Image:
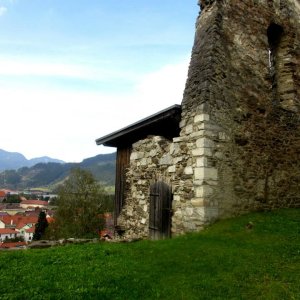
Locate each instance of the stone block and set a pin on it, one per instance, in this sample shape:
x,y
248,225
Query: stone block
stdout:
x,y
197,202
178,214
201,118
153,152
189,211
136,155
188,171
201,161
174,148
204,142
208,126
176,198
202,151
177,159
203,191
204,173
182,123
172,169
219,155
157,138
144,162
166,160
197,134
189,129
179,139
200,212
199,182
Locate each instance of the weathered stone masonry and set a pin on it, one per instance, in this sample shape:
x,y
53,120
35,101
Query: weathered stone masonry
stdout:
x,y
239,143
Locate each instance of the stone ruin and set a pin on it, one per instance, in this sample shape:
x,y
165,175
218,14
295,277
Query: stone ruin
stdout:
x,y
238,146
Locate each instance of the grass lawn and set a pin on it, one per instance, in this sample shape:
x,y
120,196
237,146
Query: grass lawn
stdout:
x,y
225,261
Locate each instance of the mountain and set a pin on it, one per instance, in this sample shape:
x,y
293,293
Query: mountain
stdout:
x,y
44,159
15,160
50,174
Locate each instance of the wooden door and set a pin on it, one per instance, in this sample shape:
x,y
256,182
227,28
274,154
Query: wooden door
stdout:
x,y
160,210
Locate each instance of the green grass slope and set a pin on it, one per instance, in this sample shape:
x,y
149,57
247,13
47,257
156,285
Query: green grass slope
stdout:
x,y
226,261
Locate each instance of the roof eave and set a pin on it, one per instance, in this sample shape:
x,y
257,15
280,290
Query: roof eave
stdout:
x,y
111,139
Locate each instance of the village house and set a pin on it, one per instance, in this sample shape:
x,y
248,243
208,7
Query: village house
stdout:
x,y
7,233
26,204
28,234
13,209
232,146
22,226
19,222
2,224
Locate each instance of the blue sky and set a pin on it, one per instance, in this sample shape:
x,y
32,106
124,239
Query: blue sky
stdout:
x,y
73,71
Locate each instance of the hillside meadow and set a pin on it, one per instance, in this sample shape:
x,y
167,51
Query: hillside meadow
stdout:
x,y
228,260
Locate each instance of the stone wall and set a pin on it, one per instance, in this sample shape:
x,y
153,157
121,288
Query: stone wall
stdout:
x,y
186,166
238,148
149,161
254,147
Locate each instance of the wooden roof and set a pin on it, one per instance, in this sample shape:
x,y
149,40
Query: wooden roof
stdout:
x,y
164,123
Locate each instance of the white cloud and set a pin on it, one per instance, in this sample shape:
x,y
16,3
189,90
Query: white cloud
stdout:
x,y
164,86
46,67
64,124
3,10
15,67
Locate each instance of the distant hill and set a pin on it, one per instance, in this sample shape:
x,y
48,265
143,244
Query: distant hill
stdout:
x,y
15,160
50,174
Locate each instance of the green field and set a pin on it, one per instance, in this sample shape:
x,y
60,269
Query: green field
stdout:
x,y
226,261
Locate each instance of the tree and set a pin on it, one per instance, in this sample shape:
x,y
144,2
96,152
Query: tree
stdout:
x,y
40,226
81,201
12,199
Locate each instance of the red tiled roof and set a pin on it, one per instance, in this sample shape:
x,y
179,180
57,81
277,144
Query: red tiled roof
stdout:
x,y
2,194
7,231
12,245
6,219
34,202
30,230
18,220
20,225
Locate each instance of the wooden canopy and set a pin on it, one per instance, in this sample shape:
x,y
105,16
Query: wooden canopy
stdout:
x,y
164,123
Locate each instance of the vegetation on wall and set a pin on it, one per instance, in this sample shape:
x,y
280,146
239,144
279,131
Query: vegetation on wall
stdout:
x,y
272,153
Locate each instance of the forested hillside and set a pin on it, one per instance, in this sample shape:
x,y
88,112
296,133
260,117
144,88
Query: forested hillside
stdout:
x,y
51,174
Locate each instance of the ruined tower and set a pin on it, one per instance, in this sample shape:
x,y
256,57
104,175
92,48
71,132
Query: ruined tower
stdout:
x,y
238,147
